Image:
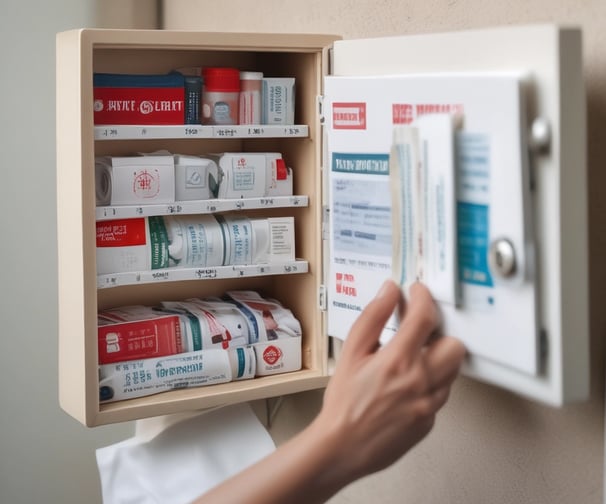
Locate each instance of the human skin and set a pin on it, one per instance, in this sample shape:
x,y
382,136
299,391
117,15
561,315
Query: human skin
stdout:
x,y
380,402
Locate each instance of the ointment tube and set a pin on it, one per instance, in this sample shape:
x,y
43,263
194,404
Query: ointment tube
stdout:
x,y
138,378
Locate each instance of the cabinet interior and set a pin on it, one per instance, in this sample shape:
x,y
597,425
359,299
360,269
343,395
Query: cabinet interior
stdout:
x,y
157,53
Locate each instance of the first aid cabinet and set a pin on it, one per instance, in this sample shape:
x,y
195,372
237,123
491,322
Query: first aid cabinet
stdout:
x,y
551,132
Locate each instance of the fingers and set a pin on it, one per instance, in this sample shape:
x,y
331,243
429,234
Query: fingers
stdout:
x,y
443,359
420,323
364,335
431,403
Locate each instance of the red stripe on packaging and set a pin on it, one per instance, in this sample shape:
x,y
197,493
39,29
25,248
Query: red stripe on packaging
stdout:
x,y
121,233
140,339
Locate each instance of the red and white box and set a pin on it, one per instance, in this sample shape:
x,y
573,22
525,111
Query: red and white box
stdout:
x,y
143,106
282,355
138,333
134,180
138,99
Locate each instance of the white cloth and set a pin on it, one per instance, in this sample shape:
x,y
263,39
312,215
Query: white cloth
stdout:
x,y
173,463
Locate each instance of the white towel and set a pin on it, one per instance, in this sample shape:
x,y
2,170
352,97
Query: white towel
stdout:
x,y
172,460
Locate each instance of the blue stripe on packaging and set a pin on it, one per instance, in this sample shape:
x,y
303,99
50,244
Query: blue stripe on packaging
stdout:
x,y
173,79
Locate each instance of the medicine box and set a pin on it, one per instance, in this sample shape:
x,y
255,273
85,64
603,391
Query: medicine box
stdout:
x,y
134,180
139,336
138,99
278,100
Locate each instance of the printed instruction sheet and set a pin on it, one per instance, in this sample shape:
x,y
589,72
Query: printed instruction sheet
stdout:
x,y
490,200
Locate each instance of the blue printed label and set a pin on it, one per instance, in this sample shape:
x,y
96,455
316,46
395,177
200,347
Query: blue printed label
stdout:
x,y
473,244
241,362
361,213
473,209
366,164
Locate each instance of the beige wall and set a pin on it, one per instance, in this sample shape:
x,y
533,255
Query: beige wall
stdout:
x,y
140,14
488,445
45,456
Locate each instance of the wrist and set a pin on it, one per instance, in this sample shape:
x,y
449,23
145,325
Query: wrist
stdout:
x,y
327,448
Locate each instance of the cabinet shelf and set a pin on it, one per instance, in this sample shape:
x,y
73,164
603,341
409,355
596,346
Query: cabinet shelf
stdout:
x,y
202,273
143,132
199,207
194,398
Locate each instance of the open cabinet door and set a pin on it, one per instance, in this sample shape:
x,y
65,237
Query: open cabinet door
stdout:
x,y
505,217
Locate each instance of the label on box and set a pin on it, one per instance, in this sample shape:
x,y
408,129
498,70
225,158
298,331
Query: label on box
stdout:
x,y
121,233
244,174
278,101
282,355
150,105
134,180
282,239
132,245
140,339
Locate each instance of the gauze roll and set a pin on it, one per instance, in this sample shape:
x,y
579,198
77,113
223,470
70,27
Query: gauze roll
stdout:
x,y
134,180
103,183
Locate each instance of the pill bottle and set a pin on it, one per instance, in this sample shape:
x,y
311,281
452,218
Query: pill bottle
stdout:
x,y
220,94
250,97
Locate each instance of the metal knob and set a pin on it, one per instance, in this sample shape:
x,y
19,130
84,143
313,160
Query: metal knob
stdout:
x,y
540,135
502,258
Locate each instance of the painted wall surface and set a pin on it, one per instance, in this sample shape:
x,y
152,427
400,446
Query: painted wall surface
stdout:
x,y
488,445
45,456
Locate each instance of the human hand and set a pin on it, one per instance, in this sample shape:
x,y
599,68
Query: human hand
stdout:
x,y
382,401
379,403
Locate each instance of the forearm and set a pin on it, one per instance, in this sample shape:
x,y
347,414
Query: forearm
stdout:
x,y
302,470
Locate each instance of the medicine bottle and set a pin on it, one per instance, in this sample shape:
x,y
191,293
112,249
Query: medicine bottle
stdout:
x,y
250,97
220,94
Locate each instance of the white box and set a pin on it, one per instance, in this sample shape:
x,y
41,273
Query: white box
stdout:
x,y
278,100
134,180
195,178
280,356
242,174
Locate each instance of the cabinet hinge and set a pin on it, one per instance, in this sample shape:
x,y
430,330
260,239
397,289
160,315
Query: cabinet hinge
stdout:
x,y
325,222
322,301
320,102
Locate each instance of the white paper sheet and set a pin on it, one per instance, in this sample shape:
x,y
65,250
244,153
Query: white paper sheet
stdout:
x,y
173,463
496,318
422,172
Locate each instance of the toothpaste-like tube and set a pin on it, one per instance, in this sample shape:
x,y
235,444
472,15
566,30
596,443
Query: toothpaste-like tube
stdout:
x,y
258,241
139,378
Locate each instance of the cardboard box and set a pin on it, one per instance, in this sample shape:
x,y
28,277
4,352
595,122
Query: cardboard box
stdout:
x,y
138,99
278,99
134,180
138,336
